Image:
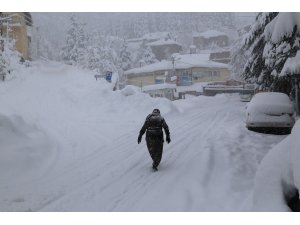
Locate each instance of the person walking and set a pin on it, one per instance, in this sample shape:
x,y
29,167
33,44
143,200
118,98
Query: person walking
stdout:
x,y
154,136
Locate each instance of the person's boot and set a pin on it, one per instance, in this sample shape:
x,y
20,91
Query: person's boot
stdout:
x,y
154,167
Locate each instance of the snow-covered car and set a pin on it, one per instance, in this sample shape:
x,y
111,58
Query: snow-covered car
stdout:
x,y
269,110
245,97
247,93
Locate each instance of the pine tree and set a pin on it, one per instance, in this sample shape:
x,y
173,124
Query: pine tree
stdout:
x,y
255,70
74,50
239,56
41,46
274,38
148,56
280,46
93,54
125,57
9,56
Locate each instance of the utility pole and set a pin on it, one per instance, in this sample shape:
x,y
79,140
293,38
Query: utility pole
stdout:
x,y
173,69
2,72
297,98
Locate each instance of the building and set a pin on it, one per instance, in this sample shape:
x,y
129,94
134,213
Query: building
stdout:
x,y
161,90
163,49
210,39
185,70
221,56
15,25
156,36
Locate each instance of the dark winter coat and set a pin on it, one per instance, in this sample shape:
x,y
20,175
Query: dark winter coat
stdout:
x,y
153,127
154,136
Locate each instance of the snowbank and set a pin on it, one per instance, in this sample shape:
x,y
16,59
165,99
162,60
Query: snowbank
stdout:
x,y
278,177
159,87
25,150
130,90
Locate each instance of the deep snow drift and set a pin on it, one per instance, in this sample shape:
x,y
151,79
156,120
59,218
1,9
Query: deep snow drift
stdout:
x,y
69,143
278,177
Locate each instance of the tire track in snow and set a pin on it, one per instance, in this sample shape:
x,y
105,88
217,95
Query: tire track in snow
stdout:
x,y
119,147
188,128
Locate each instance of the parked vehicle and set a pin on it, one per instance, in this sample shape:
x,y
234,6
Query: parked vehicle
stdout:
x,y
270,112
245,97
247,93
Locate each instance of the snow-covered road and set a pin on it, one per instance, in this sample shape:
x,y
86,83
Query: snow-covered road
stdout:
x,y
89,159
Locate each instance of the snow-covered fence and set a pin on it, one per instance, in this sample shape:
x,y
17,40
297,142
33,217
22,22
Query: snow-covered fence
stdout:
x,y
218,89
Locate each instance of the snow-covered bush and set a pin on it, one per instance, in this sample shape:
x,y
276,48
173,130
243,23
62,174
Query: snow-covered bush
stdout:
x,y
130,90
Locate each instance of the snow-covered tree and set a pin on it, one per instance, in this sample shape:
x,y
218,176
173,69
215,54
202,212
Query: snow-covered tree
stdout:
x,y
106,60
93,55
274,38
102,53
282,37
41,46
141,25
125,59
239,56
255,70
73,52
9,56
148,56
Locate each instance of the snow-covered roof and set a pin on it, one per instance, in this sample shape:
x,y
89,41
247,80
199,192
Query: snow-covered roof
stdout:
x,y
156,35
292,66
134,40
198,87
209,34
193,58
183,62
163,42
158,87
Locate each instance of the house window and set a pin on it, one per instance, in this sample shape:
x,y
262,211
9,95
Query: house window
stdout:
x,y
159,79
201,74
185,79
216,73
